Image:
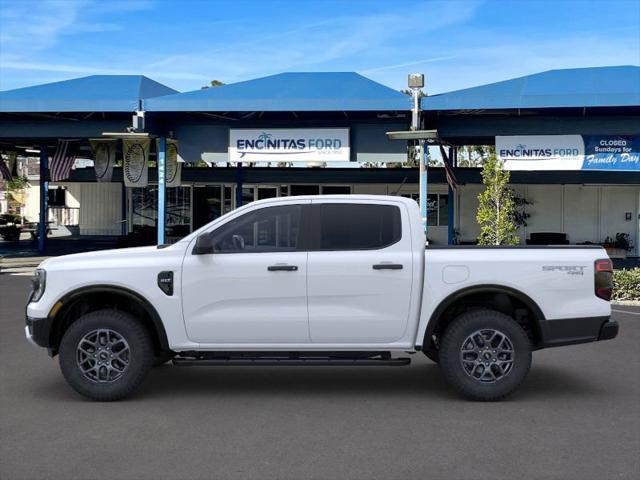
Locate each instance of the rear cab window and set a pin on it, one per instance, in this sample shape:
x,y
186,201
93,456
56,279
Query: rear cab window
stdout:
x,y
356,226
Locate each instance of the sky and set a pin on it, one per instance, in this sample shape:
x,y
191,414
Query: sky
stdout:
x,y
185,44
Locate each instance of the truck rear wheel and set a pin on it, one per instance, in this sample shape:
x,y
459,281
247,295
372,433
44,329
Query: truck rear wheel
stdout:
x,y
105,355
485,355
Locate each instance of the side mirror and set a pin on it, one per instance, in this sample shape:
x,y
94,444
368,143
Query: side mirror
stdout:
x,y
204,245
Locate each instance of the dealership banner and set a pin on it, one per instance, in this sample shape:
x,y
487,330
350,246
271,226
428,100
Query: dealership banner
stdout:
x,y
136,162
569,152
541,152
289,145
610,152
173,166
104,157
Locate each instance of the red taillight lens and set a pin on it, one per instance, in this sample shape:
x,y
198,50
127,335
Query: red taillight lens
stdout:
x,y
603,277
604,265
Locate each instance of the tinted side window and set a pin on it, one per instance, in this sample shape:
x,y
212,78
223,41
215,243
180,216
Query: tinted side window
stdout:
x,y
271,229
350,226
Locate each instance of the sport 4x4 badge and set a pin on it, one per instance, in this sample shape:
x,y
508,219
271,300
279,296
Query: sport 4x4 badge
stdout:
x,y
569,269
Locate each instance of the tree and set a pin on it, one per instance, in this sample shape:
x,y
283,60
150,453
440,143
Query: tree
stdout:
x,y
15,194
474,155
213,83
496,209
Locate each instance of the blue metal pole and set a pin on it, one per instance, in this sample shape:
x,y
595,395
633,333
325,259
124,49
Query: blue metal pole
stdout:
x,y
44,199
450,200
162,190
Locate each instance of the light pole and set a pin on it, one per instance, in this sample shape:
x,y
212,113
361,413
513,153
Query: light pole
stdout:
x,y
416,83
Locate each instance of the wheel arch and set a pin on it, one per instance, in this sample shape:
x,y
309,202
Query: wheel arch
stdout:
x,y
94,297
500,297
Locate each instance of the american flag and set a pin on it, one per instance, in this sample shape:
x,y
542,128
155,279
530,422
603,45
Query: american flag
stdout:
x,y
4,170
62,161
451,176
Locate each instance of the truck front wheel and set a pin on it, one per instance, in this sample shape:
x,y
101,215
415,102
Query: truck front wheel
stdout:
x,y
105,355
485,355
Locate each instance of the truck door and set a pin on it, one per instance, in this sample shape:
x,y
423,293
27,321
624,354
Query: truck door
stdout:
x,y
252,289
359,272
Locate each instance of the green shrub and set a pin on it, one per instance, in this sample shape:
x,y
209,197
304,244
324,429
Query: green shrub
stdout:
x,y
626,284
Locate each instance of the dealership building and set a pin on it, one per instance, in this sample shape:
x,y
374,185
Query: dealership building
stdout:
x,y
570,137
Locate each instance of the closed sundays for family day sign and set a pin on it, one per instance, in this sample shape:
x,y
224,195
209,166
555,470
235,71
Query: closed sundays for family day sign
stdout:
x,y
289,145
569,152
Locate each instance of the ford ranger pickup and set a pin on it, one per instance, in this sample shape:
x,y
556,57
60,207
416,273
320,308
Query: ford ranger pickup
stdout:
x,y
317,280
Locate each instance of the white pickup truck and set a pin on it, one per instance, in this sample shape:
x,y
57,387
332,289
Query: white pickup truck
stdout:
x,y
324,280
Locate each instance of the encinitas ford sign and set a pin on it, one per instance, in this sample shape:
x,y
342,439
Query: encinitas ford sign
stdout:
x,y
541,152
289,145
569,152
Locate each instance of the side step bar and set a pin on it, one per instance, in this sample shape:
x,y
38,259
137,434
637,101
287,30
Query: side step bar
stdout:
x,y
289,359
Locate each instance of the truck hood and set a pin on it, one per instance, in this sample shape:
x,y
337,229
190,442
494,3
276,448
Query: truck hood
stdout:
x,y
92,258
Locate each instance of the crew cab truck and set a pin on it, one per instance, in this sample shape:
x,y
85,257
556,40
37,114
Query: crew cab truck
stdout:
x,y
317,280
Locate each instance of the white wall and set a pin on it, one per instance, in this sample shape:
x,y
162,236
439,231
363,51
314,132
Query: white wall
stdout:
x,y
614,203
581,216
584,212
100,208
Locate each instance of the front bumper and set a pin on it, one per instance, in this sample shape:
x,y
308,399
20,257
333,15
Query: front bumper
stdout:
x,y
571,331
38,331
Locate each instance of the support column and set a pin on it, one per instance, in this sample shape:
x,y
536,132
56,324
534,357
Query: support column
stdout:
x,y
239,180
162,190
450,200
44,199
124,210
423,183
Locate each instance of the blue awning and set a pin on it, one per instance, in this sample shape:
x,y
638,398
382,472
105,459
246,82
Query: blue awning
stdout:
x,y
96,93
288,92
577,87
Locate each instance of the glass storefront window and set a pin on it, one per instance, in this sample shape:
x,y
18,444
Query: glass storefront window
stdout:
x,y
305,189
144,212
432,209
437,211
443,210
336,190
144,207
207,205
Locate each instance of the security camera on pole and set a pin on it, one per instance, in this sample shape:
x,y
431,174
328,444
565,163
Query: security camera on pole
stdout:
x,y
416,83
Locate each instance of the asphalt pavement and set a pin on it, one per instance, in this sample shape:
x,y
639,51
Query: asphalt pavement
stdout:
x,y
577,416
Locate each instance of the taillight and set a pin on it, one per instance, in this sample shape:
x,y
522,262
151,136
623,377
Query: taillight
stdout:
x,y
603,277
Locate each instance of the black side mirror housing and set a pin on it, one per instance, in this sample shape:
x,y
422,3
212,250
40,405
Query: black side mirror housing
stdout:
x,y
204,245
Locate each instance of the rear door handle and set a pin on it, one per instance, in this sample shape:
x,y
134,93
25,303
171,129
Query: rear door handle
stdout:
x,y
282,268
387,266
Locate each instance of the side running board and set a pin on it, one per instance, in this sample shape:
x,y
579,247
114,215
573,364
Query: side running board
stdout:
x,y
288,359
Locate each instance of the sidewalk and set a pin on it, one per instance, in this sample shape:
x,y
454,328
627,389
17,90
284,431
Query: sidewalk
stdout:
x,y
24,265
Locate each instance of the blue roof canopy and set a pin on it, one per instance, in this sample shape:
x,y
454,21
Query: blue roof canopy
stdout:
x,y
577,87
96,93
297,92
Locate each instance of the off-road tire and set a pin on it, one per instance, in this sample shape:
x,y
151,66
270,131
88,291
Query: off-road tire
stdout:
x,y
453,340
140,357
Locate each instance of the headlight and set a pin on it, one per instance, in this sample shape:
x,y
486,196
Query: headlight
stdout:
x,y
39,283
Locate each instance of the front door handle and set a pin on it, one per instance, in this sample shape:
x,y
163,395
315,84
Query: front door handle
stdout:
x,y
282,268
387,266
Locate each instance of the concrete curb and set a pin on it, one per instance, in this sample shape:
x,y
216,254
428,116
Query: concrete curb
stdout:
x,y
634,303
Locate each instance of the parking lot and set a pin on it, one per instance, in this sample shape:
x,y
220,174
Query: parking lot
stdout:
x,y
577,416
